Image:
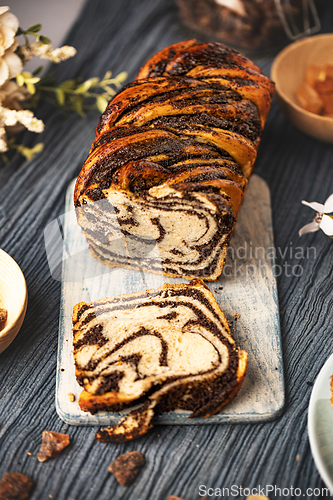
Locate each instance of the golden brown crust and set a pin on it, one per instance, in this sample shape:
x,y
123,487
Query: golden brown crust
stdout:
x,y
178,54
191,121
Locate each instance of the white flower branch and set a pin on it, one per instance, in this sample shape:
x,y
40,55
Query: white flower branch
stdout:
x,y
21,91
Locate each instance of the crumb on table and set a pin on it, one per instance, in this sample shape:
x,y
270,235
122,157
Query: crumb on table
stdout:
x,y
52,444
126,467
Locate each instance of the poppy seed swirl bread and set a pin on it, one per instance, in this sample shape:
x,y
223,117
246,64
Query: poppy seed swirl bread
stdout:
x,y
168,348
166,174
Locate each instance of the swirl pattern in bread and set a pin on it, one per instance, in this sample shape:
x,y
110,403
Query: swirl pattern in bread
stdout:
x,y
166,348
165,177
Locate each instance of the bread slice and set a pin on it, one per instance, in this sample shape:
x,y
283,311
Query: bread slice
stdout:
x,y
168,348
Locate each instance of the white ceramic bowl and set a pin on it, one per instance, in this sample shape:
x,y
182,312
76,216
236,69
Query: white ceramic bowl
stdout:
x,y
320,423
288,73
13,298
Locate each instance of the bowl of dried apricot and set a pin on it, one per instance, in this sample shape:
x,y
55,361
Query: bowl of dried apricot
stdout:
x,y
303,75
13,299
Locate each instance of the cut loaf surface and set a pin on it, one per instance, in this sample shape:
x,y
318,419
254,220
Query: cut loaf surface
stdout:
x,y
168,348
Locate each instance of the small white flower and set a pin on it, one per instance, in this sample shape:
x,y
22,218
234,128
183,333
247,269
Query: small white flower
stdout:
x,y
63,53
10,117
323,219
46,51
10,63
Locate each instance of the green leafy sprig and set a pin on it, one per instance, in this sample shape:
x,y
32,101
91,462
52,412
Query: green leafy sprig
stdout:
x,y
33,30
71,95
78,96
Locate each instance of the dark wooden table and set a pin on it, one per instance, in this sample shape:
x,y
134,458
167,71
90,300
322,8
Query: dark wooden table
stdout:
x,y
120,35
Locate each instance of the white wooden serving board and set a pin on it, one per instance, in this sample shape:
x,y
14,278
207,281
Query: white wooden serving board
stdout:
x,y
247,288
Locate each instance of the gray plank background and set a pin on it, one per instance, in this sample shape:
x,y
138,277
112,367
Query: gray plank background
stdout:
x,y
121,35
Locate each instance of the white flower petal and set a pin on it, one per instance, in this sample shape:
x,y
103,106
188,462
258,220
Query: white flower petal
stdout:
x,y
327,225
14,64
328,207
13,47
4,71
309,228
3,9
7,35
10,20
318,207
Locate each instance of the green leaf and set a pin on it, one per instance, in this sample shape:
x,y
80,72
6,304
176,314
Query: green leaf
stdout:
x,y
60,95
77,106
68,85
37,70
121,77
44,39
20,31
85,86
34,28
109,90
38,148
101,103
107,75
29,153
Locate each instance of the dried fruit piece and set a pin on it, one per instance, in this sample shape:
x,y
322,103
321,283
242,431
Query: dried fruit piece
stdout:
x,y
309,98
328,103
126,467
316,95
52,444
15,486
329,70
314,73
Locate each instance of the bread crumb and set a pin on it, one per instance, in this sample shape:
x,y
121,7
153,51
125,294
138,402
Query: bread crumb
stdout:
x,y
71,397
297,458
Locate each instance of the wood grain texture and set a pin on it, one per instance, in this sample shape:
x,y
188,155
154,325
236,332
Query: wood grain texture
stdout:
x,y
121,35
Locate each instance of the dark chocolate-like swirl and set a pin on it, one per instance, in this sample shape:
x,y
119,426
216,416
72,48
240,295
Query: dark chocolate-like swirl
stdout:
x,y
172,155
167,345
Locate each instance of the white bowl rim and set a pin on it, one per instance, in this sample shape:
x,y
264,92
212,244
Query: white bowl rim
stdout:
x,y
23,304
277,60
